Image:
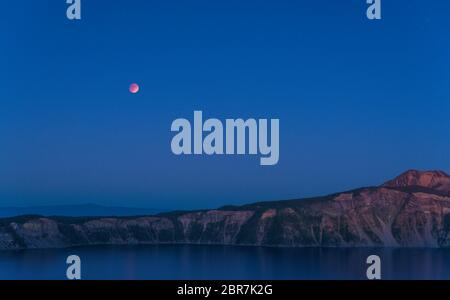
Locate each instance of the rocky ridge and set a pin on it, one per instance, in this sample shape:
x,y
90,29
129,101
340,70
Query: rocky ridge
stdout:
x,y
412,210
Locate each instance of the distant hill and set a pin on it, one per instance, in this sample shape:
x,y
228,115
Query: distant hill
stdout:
x,y
412,210
75,210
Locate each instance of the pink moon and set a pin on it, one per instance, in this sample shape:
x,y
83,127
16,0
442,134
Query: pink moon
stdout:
x,y
134,88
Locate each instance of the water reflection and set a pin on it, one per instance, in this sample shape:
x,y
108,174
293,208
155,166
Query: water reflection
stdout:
x,y
224,262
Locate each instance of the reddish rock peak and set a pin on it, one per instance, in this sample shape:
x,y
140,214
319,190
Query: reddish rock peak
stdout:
x,y
437,180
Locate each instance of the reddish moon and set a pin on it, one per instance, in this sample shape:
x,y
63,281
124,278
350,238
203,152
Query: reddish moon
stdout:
x,y
134,88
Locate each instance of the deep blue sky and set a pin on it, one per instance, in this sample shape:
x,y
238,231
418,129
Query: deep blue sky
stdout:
x,y
358,101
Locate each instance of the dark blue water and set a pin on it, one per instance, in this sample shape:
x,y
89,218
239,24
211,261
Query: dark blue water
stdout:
x,y
224,262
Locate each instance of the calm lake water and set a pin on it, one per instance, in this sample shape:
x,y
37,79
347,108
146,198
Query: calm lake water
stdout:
x,y
224,262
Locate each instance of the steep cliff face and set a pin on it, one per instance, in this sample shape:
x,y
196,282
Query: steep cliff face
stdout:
x,y
396,214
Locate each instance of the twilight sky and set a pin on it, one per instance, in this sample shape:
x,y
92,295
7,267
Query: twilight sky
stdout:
x,y
359,101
